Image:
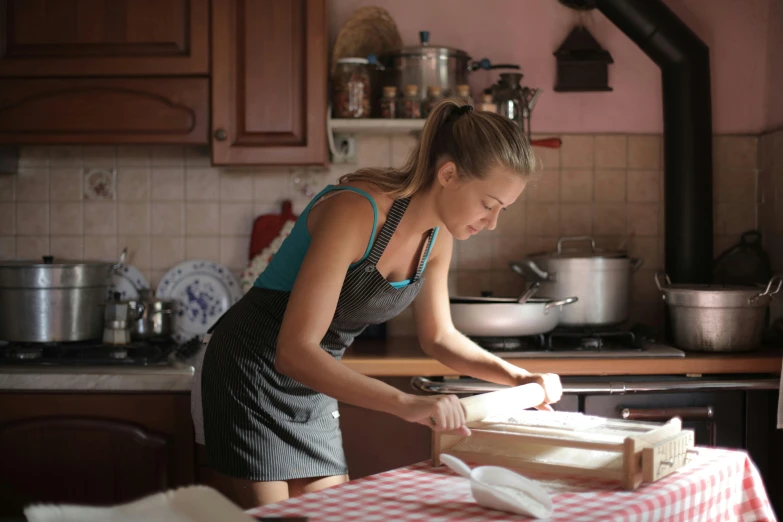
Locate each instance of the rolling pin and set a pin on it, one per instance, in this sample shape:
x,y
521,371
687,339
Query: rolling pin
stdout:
x,y
501,402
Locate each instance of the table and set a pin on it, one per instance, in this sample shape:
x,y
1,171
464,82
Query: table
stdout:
x,y
717,485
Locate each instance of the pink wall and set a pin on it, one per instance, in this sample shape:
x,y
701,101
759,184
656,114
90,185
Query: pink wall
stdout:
x,y
527,32
774,86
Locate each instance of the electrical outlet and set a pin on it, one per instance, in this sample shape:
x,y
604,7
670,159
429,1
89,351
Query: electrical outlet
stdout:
x,y
345,148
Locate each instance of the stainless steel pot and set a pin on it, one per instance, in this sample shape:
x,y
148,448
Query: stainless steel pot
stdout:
x,y
52,301
150,318
601,281
427,65
717,318
506,317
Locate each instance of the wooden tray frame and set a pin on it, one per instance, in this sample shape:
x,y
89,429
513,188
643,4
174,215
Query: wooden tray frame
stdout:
x,y
636,452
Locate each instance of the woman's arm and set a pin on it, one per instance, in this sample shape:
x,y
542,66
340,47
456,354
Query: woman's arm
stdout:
x,y
440,340
340,237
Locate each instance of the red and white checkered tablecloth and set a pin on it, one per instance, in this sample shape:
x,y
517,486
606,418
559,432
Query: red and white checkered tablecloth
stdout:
x,y
716,486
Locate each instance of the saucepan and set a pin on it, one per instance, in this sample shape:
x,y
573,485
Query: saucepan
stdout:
x,y
507,316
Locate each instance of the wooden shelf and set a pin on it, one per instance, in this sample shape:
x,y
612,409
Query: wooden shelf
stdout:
x,y
375,125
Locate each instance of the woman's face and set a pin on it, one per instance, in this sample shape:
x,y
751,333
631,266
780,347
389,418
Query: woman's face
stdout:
x,y
468,206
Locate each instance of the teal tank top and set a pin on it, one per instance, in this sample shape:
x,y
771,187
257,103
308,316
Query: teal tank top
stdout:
x,y
282,270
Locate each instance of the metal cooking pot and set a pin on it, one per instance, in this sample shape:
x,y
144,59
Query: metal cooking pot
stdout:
x,y
506,317
601,281
425,65
149,317
52,301
717,318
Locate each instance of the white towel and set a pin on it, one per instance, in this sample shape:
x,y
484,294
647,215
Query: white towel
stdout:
x,y
189,504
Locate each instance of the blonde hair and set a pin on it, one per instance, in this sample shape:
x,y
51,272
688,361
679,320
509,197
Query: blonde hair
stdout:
x,y
475,141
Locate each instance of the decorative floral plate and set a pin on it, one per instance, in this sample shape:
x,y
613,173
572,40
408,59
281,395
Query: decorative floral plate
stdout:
x,y
128,281
203,290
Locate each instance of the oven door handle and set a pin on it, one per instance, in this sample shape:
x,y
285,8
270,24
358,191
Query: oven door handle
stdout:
x,y
458,387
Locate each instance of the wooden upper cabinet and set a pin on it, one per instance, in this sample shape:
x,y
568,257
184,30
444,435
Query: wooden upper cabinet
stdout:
x,y
104,37
269,82
104,110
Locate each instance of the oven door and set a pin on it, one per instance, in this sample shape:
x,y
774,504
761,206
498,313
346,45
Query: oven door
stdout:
x,y
715,409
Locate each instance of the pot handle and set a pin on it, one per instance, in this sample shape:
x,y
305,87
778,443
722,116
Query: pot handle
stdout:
x,y
776,280
121,262
529,267
636,264
573,239
658,281
560,303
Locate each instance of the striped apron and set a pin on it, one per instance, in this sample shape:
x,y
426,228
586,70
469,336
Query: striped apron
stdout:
x,y
264,426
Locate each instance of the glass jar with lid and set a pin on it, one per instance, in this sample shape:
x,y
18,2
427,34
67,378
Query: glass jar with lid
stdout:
x,y
388,103
463,92
487,103
351,89
434,97
411,103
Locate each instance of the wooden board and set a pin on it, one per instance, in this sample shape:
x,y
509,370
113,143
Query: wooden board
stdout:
x,y
565,443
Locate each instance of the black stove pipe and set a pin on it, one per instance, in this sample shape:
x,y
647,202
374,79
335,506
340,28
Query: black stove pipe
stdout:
x,y
687,130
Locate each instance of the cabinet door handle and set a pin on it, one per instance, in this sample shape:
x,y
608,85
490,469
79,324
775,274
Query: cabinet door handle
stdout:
x,y
221,134
664,414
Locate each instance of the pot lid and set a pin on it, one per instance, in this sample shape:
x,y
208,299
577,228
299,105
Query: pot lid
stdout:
x,y
425,49
581,252
51,262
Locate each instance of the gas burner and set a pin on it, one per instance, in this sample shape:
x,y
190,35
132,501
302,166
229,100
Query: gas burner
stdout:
x,y
118,352
24,353
510,343
88,353
590,339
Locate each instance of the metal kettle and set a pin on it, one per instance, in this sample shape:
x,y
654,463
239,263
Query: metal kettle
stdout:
x,y
514,101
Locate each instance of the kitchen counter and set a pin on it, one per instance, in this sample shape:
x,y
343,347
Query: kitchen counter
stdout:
x,y
402,357
393,357
175,377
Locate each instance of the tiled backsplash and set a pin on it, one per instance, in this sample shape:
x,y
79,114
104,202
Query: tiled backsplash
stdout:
x,y
171,205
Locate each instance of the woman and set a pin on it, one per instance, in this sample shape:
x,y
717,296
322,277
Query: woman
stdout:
x,y
359,254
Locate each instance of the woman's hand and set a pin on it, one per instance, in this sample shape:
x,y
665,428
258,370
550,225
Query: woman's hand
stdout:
x,y
553,390
439,412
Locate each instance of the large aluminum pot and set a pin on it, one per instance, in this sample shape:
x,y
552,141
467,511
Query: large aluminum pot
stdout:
x,y
428,65
717,318
52,301
601,281
506,317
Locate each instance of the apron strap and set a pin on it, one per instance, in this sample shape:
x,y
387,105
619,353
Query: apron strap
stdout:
x,y
427,250
396,212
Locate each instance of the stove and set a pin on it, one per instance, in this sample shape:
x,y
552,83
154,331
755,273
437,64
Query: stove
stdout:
x,y
638,341
88,353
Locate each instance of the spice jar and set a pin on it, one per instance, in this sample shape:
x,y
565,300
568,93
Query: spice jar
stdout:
x,y
487,103
351,89
388,104
463,92
411,104
434,97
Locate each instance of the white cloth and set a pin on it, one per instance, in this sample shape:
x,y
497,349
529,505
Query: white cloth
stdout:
x,y
189,504
196,411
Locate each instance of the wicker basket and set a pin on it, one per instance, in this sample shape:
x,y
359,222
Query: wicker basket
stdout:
x,y
369,30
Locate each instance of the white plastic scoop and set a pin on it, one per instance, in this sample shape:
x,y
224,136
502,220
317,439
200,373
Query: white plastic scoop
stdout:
x,y
502,489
